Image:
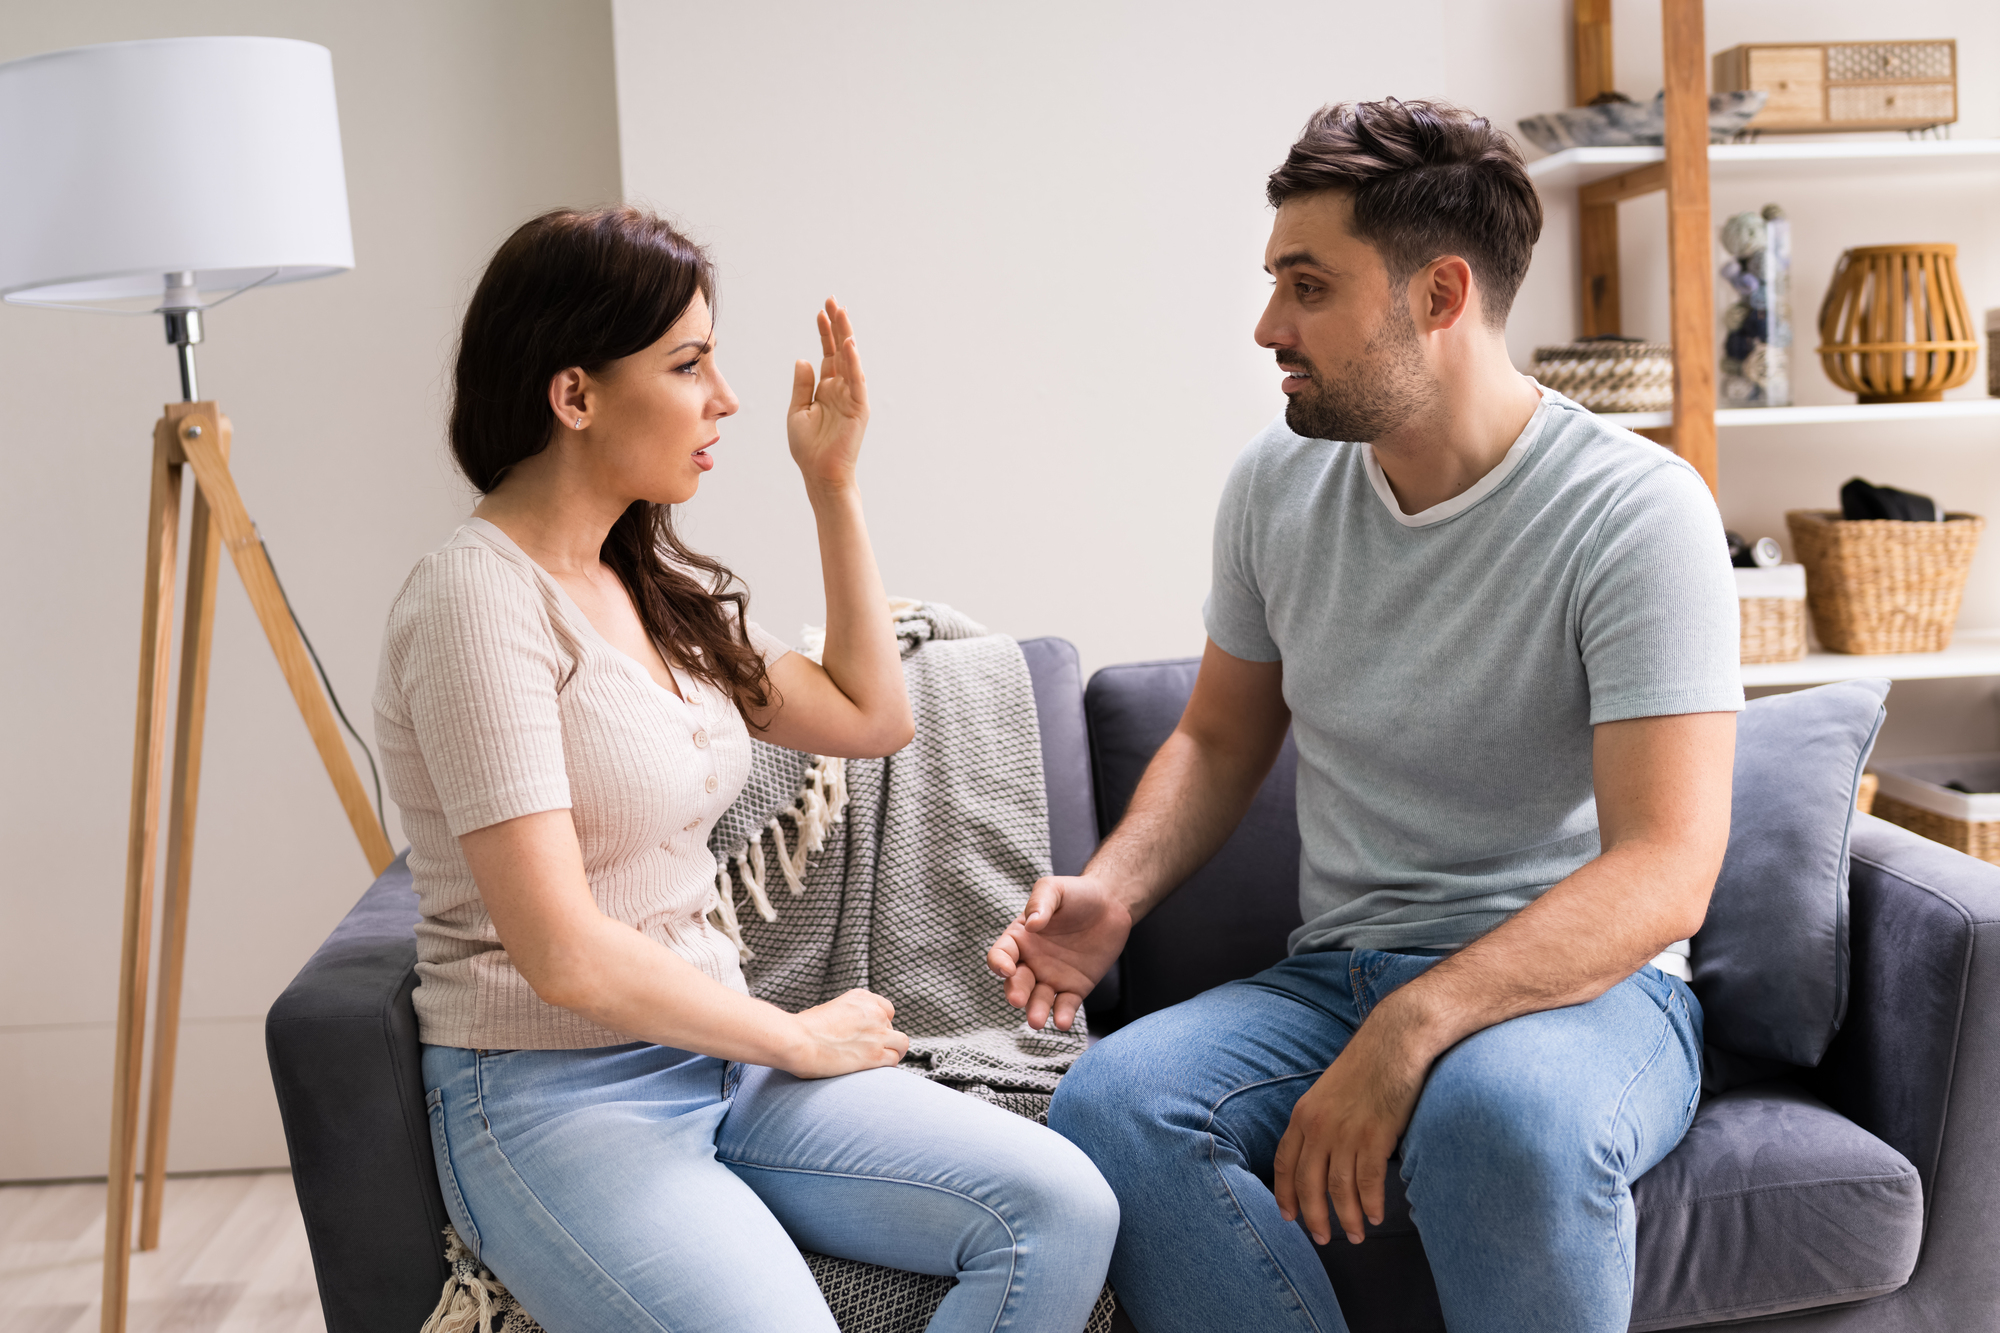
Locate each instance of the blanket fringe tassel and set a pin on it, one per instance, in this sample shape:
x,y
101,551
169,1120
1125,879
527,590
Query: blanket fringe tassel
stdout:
x,y
820,804
467,1305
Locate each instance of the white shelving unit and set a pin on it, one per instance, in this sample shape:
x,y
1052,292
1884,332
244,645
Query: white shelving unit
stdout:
x,y
1972,653
1823,415
1576,167
1559,175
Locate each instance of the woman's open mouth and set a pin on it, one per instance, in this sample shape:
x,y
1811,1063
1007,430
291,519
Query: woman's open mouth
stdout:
x,y
702,459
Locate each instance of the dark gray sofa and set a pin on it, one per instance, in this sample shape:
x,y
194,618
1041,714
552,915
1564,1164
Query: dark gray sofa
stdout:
x,y
1861,1195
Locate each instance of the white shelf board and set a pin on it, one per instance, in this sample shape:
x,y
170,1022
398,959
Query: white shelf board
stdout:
x,y
1972,653
1824,415
1775,160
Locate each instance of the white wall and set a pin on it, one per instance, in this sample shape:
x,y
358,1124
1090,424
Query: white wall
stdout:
x,y
1048,221
460,118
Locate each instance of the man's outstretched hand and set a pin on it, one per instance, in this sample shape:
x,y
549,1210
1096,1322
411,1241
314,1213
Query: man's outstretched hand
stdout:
x,y
1062,944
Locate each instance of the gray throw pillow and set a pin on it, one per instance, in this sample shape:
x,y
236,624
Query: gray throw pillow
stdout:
x,y
1770,963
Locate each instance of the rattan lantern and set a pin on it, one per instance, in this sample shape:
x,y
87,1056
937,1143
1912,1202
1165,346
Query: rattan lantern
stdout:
x,y
1895,327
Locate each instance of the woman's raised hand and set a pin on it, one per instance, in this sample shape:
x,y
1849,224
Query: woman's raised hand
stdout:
x,y
849,1032
826,420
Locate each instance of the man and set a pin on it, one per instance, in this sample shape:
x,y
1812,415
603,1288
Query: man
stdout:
x,y
1504,637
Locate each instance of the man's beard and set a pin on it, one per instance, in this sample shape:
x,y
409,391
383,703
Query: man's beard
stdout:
x,y
1374,395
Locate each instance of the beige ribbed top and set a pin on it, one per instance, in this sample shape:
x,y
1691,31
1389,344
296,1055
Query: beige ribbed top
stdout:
x,y
497,698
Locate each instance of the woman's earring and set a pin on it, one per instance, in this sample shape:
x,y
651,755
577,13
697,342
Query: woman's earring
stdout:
x,y
579,423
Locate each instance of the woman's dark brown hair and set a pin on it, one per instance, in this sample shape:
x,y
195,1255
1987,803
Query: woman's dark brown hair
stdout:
x,y
1428,179
584,289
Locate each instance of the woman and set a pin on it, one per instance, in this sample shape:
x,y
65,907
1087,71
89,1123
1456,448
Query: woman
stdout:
x,y
626,1137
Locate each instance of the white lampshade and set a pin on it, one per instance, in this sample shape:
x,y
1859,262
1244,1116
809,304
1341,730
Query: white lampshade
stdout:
x,y
123,163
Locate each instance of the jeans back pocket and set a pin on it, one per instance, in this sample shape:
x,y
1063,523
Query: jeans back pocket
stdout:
x,y
454,1201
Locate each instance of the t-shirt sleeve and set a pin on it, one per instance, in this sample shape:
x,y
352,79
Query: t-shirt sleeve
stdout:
x,y
1656,613
768,645
478,673
1234,613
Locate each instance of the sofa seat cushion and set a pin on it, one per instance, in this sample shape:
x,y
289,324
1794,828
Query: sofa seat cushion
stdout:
x,y
1773,1202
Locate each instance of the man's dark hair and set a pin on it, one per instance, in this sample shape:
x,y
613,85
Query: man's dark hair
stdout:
x,y
1428,179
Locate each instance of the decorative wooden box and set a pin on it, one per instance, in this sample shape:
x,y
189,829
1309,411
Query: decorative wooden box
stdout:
x,y
1817,87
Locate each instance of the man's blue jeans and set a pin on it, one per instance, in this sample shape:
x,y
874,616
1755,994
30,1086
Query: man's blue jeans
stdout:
x,y
638,1187
1519,1159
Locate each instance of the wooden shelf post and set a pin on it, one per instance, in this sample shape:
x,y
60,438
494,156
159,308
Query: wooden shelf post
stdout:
x,y
1597,206
1592,52
1597,222
1690,270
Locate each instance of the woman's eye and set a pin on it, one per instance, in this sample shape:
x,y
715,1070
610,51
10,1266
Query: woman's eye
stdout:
x,y
691,368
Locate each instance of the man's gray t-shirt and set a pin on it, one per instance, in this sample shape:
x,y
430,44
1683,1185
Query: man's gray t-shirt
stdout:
x,y
1444,670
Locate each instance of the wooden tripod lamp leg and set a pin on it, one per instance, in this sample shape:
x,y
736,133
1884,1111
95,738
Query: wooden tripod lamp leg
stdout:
x,y
197,634
155,645
200,431
196,434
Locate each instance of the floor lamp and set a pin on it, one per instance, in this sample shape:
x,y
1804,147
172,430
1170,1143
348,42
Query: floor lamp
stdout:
x,y
163,177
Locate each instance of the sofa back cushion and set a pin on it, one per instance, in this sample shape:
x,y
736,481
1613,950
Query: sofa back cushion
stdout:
x,y
1057,675
1770,962
1230,918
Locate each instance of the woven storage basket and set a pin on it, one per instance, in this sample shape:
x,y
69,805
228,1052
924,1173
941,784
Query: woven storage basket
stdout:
x,y
1974,837
1880,585
1771,611
1610,376
1912,794
1774,629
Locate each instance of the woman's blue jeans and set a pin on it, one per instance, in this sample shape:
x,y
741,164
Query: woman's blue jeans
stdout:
x,y
1519,1158
639,1187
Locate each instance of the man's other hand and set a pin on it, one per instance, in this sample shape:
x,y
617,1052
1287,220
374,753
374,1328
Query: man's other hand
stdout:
x,y
1062,944
1343,1132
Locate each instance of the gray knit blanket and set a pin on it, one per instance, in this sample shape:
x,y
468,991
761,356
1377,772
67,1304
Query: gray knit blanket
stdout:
x,y
932,858
894,874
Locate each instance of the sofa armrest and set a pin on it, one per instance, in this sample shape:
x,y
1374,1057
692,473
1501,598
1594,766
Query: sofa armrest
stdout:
x,y
1917,1059
347,1066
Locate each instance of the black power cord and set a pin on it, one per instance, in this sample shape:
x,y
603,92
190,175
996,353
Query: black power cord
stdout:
x,y
339,712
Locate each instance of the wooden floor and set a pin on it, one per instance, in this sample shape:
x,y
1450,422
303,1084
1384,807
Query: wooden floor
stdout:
x,y
232,1259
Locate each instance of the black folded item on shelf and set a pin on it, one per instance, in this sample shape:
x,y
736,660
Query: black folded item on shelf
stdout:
x,y
1860,500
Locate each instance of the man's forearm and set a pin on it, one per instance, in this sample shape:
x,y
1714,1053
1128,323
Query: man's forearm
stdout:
x,y
1575,942
1663,787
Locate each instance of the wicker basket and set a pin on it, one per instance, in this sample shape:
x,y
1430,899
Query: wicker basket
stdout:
x,y
1864,793
1912,795
1611,375
1774,629
1771,610
1974,837
1880,585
